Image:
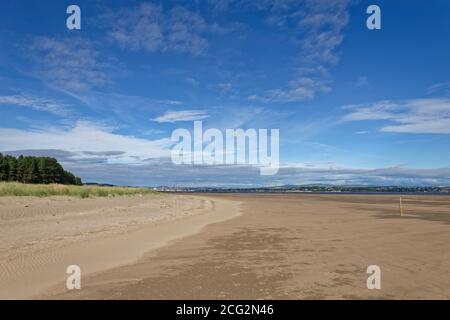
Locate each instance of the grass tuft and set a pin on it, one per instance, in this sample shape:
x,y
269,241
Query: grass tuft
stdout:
x,y
46,190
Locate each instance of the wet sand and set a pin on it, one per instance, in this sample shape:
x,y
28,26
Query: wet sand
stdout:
x,y
294,246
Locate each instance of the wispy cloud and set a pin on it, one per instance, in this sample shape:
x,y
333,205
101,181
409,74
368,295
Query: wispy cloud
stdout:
x,y
72,63
408,116
182,115
151,28
37,104
441,88
302,88
128,110
86,139
170,102
362,81
319,27
192,81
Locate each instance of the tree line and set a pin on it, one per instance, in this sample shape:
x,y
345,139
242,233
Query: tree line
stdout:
x,y
34,170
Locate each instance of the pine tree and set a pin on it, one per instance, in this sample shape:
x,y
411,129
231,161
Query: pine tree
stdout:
x,y
12,173
34,170
27,170
3,171
20,169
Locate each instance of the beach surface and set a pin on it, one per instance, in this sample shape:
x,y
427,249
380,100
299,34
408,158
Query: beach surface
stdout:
x,y
280,246
41,237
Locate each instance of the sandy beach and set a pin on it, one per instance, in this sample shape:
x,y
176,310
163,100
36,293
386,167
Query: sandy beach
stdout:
x,y
41,237
235,246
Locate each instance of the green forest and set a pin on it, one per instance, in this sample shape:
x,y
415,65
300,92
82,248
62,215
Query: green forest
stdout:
x,y
34,170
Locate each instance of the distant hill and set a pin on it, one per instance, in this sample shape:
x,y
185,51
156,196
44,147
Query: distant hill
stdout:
x,y
28,169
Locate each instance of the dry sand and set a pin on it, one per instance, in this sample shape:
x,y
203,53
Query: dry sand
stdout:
x,y
41,237
291,247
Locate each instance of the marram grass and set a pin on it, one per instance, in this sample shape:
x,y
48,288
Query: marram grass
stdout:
x,y
46,190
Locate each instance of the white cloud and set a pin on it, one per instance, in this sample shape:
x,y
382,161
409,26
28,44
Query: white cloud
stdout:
x,y
72,64
163,172
137,28
443,88
361,81
151,28
36,103
406,116
97,153
319,29
86,137
182,115
170,102
302,88
192,81
184,29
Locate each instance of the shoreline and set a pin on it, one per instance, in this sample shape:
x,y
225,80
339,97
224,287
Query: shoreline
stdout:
x,y
28,273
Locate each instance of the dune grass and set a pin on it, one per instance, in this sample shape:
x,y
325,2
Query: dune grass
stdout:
x,y
46,190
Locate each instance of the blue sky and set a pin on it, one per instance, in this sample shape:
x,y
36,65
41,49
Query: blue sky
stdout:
x,y
354,106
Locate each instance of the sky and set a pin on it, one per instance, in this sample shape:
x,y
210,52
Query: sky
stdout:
x,y
353,106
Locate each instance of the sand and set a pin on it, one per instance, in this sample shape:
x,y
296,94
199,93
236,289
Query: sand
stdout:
x,y
41,237
295,246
